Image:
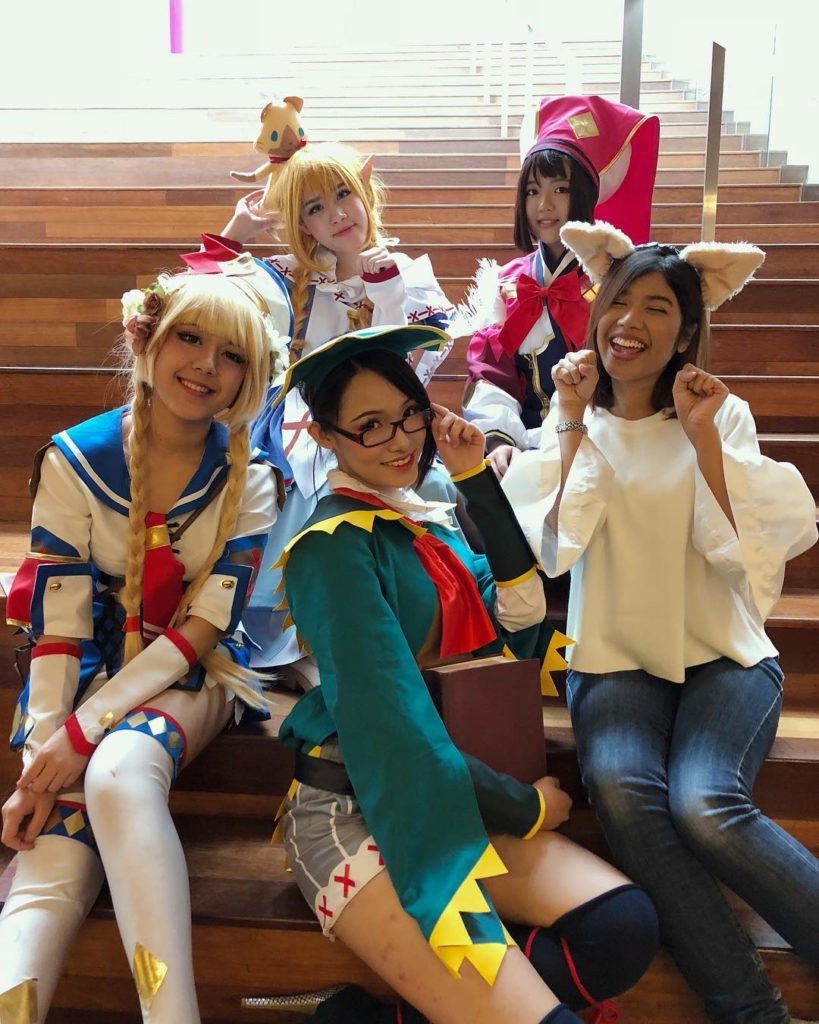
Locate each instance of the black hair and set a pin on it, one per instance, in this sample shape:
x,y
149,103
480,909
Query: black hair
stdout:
x,y
324,399
549,163
684,281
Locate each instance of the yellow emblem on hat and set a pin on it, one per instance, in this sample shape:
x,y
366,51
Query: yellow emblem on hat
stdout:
x,y
584,126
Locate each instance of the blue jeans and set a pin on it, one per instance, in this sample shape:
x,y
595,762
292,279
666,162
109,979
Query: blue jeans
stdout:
x,y
669,770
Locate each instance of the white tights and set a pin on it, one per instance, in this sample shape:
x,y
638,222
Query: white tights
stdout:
x,y
54,887
126,790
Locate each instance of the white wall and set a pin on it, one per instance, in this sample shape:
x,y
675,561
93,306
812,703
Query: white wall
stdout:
x,y
769,62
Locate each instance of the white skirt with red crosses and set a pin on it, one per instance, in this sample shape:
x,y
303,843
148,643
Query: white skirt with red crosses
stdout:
x,y
329,848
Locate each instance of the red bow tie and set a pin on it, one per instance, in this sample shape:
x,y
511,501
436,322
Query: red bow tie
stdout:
x,y
465,622
566,305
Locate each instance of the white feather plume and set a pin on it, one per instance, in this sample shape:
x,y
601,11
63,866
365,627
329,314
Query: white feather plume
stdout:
x,y
482,306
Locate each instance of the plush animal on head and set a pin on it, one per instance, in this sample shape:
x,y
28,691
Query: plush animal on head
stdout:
x,y
280,136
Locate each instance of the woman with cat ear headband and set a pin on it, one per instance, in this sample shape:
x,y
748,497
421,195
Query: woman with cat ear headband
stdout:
x,y
650,487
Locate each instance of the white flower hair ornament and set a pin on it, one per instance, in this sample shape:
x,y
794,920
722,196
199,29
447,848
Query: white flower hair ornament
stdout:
x,y
141,310
724,268
279,349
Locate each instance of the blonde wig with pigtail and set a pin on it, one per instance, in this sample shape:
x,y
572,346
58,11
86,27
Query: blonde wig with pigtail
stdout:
x,y
214,304
316,170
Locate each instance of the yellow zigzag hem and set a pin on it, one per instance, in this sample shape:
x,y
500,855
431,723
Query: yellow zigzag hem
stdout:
x,y
553,661
363,519
450,939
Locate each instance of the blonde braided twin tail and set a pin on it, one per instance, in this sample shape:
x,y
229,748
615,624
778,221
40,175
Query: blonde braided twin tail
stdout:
x,y
298,300
131,593
361,317
219,667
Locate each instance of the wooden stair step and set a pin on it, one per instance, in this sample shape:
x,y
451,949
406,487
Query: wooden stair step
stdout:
x,y
93,152
407,186
254,935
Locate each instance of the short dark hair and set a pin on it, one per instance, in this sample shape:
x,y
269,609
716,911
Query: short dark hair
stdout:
x,y
549,163
684,281
324,399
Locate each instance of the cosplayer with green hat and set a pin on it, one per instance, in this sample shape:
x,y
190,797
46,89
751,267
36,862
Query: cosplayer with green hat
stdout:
x,y
381,587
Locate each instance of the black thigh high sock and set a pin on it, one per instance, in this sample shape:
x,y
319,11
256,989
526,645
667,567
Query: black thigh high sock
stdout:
x,y
610,942
595,951
561,1015
352,1005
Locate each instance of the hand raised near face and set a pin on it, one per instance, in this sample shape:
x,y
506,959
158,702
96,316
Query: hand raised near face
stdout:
x,y
575,377
460,444
376,260
698,397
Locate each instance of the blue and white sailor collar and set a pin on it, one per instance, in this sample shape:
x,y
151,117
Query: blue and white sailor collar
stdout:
x,y
95,451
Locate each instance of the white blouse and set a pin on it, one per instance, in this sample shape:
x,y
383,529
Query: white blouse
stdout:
x,y
660,579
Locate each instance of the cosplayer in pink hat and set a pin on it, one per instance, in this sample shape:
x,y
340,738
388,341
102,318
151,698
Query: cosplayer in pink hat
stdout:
x,y
591,158
615,145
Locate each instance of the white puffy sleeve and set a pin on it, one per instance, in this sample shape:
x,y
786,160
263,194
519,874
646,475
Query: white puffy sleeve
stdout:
x,y
409,293
774,512
532,484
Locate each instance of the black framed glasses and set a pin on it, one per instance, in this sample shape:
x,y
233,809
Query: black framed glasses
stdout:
x,y
372,437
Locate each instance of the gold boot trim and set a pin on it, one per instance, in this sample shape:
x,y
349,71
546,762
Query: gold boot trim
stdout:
x,y
149,973
19,1004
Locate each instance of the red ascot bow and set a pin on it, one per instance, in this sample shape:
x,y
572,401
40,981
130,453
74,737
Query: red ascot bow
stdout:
x,y
465,622
161,579
566,305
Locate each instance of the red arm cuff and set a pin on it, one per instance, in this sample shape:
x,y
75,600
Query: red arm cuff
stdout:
x,y
43,650
184,647
381,275
77,737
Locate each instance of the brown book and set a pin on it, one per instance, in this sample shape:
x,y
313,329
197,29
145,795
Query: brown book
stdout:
x,y
492,709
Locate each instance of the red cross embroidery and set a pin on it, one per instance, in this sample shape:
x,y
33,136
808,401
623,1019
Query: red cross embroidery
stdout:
x,y
297,428
375,849
345,880
324,908
321,279
429,311
415,316
282,269
338,296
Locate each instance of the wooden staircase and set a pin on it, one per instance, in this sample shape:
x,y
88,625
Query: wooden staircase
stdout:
x,y
82,221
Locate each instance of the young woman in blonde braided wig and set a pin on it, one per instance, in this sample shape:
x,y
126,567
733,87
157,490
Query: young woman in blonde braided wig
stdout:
x,y
149,520
341,276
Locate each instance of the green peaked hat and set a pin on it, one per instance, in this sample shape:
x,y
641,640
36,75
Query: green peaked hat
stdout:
x,y
313,368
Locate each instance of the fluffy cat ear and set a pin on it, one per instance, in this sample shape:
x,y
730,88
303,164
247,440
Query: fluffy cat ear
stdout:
x,y
596,246
724,268
295,101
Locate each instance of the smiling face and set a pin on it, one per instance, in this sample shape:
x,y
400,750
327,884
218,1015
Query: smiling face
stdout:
x,y
336,219
547,208
368,401
197,374
640,332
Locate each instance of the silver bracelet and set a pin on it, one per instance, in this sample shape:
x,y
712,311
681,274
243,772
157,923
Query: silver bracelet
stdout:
x,y
571,425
